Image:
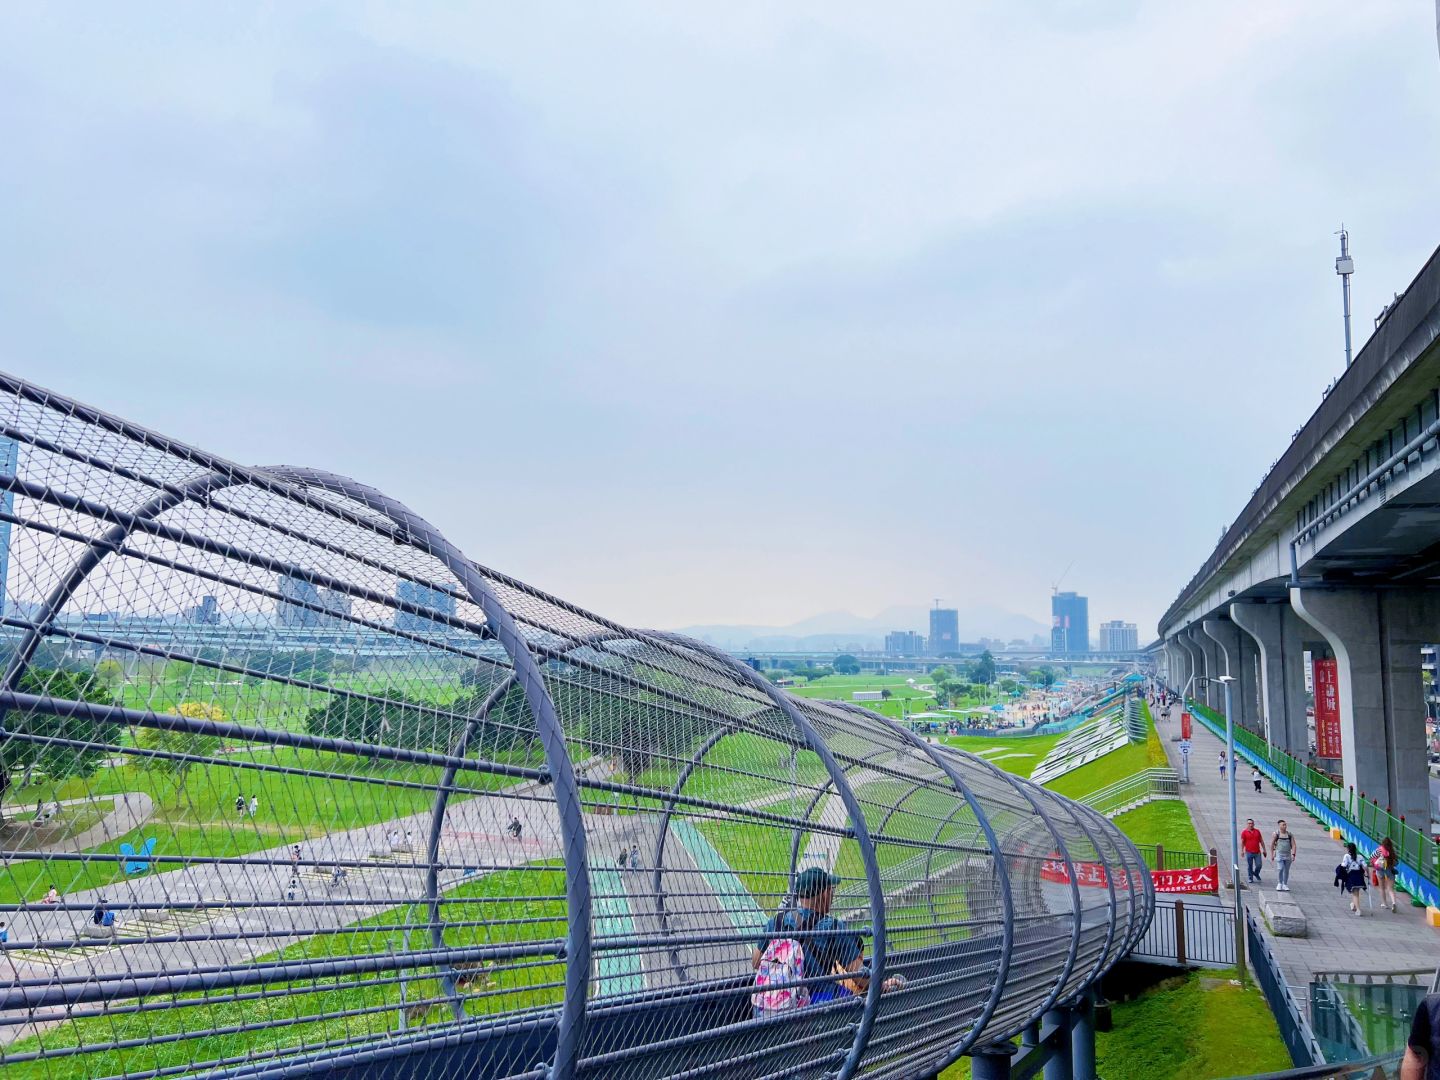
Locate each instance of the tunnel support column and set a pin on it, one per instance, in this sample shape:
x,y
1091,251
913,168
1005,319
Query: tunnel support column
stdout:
x,y
1376,638
1278,634
1082,1039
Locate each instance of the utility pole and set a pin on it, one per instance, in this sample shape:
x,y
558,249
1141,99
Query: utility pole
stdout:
x,y
1345,266
1229,681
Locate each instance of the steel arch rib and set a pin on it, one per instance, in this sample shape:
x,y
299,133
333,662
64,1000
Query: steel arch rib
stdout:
x,y
857,821
113,538
1002,873
571,1022
1041,1010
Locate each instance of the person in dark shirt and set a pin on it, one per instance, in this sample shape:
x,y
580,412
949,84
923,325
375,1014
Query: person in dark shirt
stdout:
x,y
1422,1055
825,954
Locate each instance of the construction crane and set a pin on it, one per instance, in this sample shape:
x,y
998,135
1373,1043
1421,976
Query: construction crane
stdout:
x,y
1055,585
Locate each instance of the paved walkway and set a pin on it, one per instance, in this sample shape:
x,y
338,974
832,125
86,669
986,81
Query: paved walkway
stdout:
x,y
1377,941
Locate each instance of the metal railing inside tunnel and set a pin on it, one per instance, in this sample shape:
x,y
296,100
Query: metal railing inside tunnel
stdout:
x,y
290,785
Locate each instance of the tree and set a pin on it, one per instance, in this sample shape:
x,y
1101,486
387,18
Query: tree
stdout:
x,y
846,664
175,748
885,694
110,674
1009,686
941,673
85,738
1048,676
984,669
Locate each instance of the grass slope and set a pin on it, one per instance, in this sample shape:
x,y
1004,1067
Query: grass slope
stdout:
x,y
1195,1027
1167,822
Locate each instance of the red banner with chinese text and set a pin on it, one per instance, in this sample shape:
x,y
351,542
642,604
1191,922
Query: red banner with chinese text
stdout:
x,y
1184,724
1327,708
1202,879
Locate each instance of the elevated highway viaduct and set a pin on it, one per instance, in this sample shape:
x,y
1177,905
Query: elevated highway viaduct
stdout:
x,y
1336,553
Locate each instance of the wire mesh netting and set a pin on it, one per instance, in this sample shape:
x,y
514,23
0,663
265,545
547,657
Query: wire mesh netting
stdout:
x,y
290,785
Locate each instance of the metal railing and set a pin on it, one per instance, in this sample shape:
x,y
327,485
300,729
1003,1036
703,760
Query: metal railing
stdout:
x,y
1133,791
1294,1026
1189,933
1362,820
1358,1014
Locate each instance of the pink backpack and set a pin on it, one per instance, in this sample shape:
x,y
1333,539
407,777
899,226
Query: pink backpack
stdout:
x,y
781,966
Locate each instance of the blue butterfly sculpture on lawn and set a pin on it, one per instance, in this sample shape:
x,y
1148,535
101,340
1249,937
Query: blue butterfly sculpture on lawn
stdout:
x,y
137,862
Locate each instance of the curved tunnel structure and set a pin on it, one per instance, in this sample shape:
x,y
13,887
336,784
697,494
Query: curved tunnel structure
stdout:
x,y
291,785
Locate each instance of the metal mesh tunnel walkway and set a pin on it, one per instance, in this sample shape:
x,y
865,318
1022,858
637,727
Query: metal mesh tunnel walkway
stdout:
x,y
292,785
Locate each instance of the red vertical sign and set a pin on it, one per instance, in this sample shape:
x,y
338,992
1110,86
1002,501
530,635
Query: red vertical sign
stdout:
x,y
1327,708
1184,724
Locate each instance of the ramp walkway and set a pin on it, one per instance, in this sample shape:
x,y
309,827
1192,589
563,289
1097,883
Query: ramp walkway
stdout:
x,y
488,749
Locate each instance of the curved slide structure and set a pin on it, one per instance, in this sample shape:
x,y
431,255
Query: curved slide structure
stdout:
x,y
408,816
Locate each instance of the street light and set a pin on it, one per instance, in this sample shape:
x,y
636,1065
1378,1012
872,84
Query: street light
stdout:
x,y
1228,681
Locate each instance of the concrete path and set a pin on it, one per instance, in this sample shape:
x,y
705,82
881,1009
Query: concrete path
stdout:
x,y
128,810
1337,941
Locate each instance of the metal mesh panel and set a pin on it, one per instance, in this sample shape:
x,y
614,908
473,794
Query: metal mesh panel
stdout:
x,y
292,786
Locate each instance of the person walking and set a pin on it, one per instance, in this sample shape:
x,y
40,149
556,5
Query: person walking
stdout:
x,y
1383,862
240,807
1223,763
1253,844
1283,850
1350,877
1255,777
254,806
634,856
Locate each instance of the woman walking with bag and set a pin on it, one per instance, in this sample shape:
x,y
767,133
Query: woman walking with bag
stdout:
x,y
1350,877
1382,864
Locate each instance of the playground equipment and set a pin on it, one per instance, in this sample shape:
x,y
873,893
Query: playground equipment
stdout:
x,y
222,633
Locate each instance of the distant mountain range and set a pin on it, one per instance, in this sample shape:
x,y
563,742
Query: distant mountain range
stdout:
x,y
841,629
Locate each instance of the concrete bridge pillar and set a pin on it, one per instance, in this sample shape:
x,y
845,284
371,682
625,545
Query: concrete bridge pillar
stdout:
x,y
1197,662
1229,661
1376,638
1250,682
1277,632
1179,664
1211,665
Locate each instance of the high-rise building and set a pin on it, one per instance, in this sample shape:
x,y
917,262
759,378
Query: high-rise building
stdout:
x,y
1069,624
944,631
205,613
905,643
299,602
422,596
1119,637
305,604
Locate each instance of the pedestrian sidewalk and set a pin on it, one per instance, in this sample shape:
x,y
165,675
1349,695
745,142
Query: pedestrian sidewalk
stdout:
x,y
1377,941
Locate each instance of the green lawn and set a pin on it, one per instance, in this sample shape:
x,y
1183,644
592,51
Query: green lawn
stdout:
x,y
1165,822
1113,767
1203,1027
1037,746
198,817
513,986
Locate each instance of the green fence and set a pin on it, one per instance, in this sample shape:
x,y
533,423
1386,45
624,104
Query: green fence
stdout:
x,y
1362,819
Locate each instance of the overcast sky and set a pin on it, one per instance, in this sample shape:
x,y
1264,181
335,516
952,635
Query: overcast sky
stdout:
x,y
729,312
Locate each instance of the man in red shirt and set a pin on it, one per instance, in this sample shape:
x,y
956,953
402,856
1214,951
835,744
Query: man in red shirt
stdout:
x,y
1253,844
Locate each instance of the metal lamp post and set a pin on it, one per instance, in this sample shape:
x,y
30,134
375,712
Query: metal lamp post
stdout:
x,y
1229,681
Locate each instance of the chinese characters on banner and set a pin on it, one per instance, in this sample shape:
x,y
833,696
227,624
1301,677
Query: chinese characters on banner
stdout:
x,y
1202,879
1327,708
1184,724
